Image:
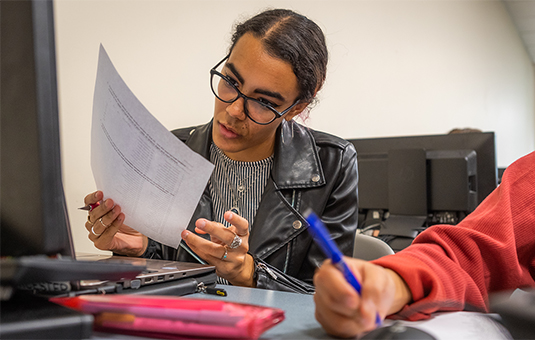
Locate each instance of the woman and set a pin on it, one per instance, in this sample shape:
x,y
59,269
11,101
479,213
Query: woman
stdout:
x,y
268,168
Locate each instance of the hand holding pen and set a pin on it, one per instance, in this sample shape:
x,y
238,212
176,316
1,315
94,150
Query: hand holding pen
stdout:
x,y
90,206
106,229
322,238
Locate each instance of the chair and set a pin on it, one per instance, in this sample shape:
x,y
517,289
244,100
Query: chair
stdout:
x,y
370,248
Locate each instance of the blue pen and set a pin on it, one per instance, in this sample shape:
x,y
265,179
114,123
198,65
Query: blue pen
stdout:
x,y
322,238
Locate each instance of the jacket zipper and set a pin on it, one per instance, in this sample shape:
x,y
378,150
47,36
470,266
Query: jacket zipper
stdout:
x,y
269,271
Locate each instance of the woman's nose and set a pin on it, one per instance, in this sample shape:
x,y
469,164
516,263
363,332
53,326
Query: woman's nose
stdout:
x,y
237,109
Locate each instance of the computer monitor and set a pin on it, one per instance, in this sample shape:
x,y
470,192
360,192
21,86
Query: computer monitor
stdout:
x,y
409,183
33,212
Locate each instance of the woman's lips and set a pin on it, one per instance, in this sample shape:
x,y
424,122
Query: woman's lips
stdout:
x,y
227,132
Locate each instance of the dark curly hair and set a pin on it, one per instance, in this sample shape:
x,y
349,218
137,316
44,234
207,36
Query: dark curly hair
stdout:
x,y
294,38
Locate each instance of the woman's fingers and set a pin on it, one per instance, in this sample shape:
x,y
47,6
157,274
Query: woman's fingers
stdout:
x,y
224,241
93,198
100,211
227,250
221,234
106,229
206,249
239,223
102,216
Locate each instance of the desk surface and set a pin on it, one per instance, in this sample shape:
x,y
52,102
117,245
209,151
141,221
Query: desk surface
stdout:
x,y
300,322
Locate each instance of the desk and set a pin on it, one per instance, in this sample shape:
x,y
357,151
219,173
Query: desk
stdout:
x,y
300,322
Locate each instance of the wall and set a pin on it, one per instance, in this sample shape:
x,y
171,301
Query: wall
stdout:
x,y
396,68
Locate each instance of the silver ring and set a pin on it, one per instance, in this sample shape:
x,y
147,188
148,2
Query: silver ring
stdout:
x,y
100,220
93,232
236,242
89,221
224,255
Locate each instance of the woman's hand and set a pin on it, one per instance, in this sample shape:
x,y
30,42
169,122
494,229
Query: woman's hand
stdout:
x,y
107,231
227,249
342,312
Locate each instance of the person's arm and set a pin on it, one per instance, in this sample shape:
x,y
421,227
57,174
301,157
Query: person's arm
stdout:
x,y
447,268
457,267
342,312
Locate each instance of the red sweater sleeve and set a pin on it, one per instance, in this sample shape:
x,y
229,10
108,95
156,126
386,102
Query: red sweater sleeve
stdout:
x,y
493,249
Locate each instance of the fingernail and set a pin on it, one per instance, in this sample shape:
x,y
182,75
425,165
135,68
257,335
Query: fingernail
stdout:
x,y
201,224
185,234
229,215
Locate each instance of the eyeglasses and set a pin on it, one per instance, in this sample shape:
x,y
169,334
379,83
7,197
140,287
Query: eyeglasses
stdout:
x,y
260,112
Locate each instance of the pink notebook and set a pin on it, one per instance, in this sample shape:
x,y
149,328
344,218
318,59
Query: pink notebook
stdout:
x,y
171,317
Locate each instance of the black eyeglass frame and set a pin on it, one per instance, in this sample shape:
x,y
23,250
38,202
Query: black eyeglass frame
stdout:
x,y
278,114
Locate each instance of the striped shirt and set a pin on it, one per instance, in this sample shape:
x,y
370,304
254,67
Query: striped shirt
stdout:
x,y
229,176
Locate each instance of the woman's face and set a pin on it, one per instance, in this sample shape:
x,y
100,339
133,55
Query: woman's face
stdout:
x,y
261,76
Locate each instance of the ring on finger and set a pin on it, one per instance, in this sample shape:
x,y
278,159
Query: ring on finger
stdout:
x,y
105,225
93,232
89,220
236,242
225,254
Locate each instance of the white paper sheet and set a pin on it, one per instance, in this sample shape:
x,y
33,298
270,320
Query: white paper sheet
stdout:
x,y
461,326
154,177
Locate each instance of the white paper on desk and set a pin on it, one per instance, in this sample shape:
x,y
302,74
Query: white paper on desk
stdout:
x,y
155,178
462,326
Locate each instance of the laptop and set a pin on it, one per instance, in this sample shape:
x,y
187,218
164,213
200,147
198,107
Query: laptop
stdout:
x,y
154,272
94,273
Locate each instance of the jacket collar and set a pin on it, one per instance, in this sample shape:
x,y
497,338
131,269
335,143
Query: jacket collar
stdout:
x,y
299,167
297,162
200,139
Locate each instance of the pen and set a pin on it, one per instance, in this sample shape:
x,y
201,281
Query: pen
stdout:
x,y
322,238
90,207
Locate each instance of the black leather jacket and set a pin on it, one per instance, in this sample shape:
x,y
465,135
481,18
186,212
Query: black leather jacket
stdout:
x,y
311,169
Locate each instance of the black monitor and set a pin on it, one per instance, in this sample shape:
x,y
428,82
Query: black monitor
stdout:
x,y
33,212
409,183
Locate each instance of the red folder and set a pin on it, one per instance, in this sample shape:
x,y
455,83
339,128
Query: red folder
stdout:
x,y
172,317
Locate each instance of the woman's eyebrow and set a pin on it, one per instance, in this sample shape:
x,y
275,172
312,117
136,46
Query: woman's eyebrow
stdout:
x,y
237,74
233,70
272,94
